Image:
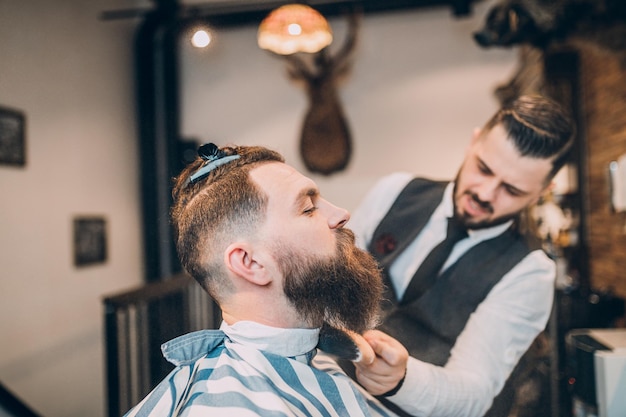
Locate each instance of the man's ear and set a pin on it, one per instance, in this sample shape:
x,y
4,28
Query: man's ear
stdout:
x,y
475,135
544,193
241,260
549,187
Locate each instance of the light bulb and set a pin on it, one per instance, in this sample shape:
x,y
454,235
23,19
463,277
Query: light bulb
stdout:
x,y
201,38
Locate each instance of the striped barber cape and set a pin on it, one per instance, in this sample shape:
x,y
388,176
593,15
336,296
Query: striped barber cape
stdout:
x,y
228,375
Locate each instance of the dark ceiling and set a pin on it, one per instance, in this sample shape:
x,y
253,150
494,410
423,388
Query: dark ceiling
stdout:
x,y
228,13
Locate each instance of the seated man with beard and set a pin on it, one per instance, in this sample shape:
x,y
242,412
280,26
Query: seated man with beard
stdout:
x,y
259,238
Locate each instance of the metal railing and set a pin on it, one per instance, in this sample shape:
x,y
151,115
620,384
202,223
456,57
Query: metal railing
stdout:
x,y
137,322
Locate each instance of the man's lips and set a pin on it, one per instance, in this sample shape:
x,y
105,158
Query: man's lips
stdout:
x,y
473,208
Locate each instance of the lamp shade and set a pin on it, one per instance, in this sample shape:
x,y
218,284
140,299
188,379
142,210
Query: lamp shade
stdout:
x,y
294,28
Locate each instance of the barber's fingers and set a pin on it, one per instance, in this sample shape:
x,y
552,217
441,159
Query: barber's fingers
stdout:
x,y
389,366
387,348
376,384
367,352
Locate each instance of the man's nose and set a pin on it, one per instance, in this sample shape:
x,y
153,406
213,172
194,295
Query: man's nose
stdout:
x,y
487,190
337,216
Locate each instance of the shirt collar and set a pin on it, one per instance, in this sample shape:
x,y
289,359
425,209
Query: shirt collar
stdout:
x,y
279,341
446,209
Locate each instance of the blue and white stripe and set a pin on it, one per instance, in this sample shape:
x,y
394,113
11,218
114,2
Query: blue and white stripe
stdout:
x,y
218,377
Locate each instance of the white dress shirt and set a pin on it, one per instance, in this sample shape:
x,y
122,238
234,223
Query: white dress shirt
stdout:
x,y
496,335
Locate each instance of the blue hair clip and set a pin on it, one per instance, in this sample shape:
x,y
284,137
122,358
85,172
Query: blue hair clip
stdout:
x,y
214,158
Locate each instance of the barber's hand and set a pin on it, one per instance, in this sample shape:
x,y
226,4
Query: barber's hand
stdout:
x,y
366,353
387,368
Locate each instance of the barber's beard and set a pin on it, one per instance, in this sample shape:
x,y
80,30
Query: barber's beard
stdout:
x,y
467,220
343,291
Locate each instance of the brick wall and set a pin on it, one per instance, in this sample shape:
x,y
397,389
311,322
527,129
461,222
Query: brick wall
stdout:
x,y
603,101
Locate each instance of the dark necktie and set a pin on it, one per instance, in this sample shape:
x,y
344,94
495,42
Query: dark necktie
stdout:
x,y
427,273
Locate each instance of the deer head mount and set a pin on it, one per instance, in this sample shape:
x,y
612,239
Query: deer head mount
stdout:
x,y
325,141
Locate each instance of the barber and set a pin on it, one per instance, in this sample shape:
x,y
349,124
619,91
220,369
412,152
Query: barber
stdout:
x,y
466,317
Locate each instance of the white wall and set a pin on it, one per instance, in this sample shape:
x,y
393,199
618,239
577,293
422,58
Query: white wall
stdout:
x,y
419,86
71,74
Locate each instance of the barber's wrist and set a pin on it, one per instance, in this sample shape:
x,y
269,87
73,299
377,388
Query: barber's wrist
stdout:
x,y
395,390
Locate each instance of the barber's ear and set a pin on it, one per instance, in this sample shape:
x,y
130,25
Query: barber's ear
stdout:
x,y
544,193
475,135
473,140
242,261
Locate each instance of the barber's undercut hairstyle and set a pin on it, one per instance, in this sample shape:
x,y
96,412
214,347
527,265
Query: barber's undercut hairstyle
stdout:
x,y
207,211
539,127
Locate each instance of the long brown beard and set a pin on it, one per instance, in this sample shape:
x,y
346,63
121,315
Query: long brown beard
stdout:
x,y
344,291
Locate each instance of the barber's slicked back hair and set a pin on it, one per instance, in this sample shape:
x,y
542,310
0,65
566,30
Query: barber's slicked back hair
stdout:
x,y
539,127
207,214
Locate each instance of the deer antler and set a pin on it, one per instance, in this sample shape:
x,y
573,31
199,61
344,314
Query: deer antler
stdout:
x,y
322,63
341,59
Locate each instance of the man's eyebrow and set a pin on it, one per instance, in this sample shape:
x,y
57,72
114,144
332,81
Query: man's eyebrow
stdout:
x,y
511,187
305,194
516,190
483,165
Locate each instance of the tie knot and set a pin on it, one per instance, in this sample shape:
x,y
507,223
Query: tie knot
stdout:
x,y
456,230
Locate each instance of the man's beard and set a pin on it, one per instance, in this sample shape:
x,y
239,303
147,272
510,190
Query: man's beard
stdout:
x,y
343,291
467,220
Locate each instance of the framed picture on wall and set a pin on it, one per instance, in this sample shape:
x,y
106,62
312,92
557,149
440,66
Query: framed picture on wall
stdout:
x,y
90,240
12,137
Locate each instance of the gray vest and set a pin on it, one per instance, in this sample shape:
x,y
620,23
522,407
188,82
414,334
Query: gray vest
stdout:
x,y
429,326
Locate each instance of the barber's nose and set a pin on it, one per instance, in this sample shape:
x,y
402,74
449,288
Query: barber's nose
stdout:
x,y
337,216
487,190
